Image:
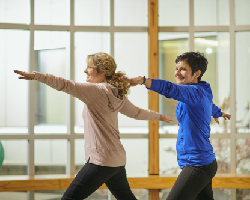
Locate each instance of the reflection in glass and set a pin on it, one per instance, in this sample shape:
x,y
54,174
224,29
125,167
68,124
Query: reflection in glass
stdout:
x,y
137,158
13,11
242,194
242,70
15,157
242,156
168,14
50,156
168,157
211,12
131,56
171,45
221,149
92,13
242,14
52,12
131,13
86,43
51,49
14,54
215,46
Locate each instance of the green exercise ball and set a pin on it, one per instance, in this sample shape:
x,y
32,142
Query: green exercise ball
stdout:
x,y
1,154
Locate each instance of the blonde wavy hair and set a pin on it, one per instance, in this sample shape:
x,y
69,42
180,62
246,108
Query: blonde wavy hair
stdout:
x,y
105,63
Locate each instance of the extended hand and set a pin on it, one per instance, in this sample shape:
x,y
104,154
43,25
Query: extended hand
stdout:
x,y
225,116
165,118
133,81
25,75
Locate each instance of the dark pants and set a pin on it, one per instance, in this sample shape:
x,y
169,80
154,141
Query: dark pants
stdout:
x,y
194,183
92,176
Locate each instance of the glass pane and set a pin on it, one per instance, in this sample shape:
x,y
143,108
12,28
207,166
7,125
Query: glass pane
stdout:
x,y
242,14
163,194
168,157
79,154
242,194
13,11
242,52
242,156
14,195
131,55
137,158
52,12
51,57
14,54
211,12
222,194
141,194
15,157
49,195
222,153
86,44
92,13
173,13
170,46
131,13
215,45
50,156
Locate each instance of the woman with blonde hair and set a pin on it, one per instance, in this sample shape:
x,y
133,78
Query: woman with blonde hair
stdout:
x,y
104,96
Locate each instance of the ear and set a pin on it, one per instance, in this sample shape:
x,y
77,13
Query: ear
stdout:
x,y
197,74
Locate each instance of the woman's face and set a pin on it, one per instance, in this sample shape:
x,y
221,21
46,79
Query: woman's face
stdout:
x,y
183,74
93,76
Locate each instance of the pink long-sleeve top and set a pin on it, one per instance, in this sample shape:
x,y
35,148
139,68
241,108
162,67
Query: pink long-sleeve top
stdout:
x,y
102,104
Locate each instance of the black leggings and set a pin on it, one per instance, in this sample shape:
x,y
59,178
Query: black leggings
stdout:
x,y
194,183
92,176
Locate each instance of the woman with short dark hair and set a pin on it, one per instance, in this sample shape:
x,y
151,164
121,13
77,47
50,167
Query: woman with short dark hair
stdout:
x,y
193,111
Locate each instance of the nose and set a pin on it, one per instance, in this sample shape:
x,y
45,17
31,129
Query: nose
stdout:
x,y
85,71
177,72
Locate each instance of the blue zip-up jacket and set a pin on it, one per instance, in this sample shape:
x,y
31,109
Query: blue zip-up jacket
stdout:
x,y
193,111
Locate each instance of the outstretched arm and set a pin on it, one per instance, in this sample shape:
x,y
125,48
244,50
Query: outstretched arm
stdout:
x,y
86,92
216,113
132,111
140,80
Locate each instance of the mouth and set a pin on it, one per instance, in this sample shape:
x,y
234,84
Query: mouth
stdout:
x,y
179,78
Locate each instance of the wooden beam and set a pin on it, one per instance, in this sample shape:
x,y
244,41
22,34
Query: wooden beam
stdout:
x,y
153,97
154,195
153,183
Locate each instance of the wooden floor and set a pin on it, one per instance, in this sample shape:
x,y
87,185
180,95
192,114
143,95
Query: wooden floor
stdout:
x,y
61,182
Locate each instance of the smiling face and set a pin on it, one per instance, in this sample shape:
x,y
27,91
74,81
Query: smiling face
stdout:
x,y
93,76
183,74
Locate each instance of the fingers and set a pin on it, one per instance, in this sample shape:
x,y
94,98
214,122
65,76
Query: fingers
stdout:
x,y
168,119
24,75
217,120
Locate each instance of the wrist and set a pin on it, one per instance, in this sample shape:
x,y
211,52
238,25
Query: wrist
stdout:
x,y
143,79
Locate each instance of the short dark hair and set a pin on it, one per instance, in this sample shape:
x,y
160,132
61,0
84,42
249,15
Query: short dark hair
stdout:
x,y
196,60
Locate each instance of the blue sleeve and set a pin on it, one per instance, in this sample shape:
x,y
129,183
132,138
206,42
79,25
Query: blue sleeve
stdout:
x,y
188,94
216,111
